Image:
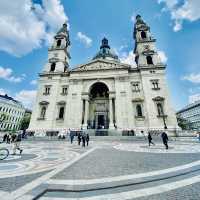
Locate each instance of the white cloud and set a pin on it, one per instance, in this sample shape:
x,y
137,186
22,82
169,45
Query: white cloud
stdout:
x,y
27,97
128,58
163,56
188,10
169,3
133,18
33,82
25,26
3,91
194,78
194,97
84,39
7,74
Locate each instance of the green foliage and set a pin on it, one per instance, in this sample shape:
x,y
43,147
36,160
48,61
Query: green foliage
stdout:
x,y
25,122
184,123
3,117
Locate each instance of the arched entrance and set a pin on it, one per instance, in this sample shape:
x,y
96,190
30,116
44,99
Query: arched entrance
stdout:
x,y
99,106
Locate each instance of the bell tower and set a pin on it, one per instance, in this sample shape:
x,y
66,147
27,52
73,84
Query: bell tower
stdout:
x,y
145,51
58,53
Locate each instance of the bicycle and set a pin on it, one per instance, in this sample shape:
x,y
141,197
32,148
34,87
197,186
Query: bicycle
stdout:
x,y
4,153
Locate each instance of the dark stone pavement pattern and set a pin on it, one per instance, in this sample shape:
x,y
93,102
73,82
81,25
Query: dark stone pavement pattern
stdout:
x,y
111,162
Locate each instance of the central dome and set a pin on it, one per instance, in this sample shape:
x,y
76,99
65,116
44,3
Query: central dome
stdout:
x,y
105,52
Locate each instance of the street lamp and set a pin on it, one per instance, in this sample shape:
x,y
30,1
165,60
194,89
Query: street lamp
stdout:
x,y
165,125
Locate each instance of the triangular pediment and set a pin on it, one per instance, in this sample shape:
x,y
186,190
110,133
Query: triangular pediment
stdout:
x,y
100,64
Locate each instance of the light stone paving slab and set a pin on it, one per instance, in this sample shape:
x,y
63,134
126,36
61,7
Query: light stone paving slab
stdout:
x,y
137,193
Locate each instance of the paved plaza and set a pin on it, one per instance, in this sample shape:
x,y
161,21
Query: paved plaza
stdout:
x,y
106,170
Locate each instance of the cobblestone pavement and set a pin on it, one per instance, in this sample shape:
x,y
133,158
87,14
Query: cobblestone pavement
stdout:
x,y
105,170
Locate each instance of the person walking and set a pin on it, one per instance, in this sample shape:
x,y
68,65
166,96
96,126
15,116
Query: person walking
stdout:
x,y
79,138
71,134
5,137
87,139
17,141
83,138
150,139
165,139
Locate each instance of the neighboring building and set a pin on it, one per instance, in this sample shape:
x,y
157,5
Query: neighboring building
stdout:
x,y
191,113
103,93
13,111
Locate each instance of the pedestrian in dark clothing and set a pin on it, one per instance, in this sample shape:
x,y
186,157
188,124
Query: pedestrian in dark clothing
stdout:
x,y
71,134
83,140
87,138
8,139
165,139
79,139
150,139
5,138
13,137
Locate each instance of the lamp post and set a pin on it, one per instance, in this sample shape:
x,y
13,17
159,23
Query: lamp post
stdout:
x,y
165,125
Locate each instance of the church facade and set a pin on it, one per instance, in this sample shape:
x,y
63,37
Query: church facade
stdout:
x,y
103,93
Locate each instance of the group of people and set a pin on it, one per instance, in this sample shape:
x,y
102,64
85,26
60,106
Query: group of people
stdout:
x,y
82,137
15,139
164,139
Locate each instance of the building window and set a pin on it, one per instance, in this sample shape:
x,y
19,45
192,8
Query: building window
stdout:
x,y
135,87
139,110
64,90
143,35
58,43
43,112
160,109
47,90
149,60
155,84
53,67
61,112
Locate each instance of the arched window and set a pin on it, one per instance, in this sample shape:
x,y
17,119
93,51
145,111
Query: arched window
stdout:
x,y
58,43
143,35
139,110
149,60
61,113
160,109
43,112
53,67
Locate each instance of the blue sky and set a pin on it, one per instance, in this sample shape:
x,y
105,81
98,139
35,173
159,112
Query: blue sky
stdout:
x,y
27,27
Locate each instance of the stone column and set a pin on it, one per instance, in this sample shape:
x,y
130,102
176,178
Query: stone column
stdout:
x,y
86,113
111,125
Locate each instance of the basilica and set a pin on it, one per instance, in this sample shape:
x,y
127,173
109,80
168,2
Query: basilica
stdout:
x,y
103,93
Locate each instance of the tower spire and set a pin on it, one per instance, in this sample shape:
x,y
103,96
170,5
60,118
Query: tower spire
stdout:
x,y
145,51
58,53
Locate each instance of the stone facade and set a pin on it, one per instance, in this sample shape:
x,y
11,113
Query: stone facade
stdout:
x,y
103,93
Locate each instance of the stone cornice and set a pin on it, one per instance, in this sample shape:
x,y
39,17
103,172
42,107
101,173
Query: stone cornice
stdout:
x,y
44,74
103,65
152,67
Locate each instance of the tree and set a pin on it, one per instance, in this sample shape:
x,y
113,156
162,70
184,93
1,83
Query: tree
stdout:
x,y
3,117
184,123
25,122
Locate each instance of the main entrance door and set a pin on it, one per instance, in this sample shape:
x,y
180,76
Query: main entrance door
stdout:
x,y
101,121
99,106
